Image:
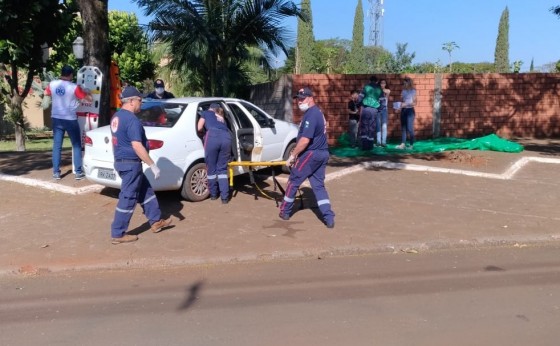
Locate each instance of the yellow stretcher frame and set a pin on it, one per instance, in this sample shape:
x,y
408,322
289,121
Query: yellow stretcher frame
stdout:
x,y
252,164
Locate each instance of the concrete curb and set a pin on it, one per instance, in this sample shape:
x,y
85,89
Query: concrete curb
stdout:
x,y
319,253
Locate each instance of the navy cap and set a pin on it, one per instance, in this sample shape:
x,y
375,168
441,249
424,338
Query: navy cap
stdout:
x,y
130,91
66,70
303,93
215,106
159,84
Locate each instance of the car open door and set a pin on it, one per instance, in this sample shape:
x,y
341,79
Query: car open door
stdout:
x,y
248,133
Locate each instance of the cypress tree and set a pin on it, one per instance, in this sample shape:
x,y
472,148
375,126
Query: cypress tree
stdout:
x,y
357,58
305,40
501,55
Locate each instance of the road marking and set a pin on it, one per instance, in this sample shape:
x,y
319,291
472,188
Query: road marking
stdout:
x,y
508,174
51,186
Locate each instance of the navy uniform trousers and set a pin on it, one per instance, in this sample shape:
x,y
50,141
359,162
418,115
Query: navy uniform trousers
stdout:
x,y
135,188
312,164
217,153
367,127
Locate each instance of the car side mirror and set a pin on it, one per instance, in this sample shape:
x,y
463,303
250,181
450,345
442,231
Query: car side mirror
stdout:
x,y
270,122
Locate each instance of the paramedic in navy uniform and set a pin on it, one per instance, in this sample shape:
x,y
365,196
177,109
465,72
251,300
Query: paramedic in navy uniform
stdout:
x,y
130,149
309,158
217,150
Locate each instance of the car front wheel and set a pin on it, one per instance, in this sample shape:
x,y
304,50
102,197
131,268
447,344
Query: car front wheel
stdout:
x,y
195,184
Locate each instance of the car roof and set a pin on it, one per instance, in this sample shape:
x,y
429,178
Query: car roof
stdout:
x,y
191,99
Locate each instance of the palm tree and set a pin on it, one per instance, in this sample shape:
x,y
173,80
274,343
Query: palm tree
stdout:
x,y
212,38
450,47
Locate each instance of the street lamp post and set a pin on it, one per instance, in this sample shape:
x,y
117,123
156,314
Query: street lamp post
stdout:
x,y
45,57
78,49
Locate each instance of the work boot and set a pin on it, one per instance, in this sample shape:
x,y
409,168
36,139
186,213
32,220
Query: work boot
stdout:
x,y
161,224
127,238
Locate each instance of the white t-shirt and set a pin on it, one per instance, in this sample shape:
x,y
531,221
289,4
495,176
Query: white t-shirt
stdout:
x,y
408,96
65,99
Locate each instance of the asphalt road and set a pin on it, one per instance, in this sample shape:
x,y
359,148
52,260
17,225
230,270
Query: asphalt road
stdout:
x,y
490,296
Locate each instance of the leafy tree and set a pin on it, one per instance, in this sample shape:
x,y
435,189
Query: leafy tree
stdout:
x,y
427,67
305,40
450,47
212,38
290,62
25,25
556,11
255,67
330,56
501,54
378,60
357,59
401,62
480,67
517,66
129,46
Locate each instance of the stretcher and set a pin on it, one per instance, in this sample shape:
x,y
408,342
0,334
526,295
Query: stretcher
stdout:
x,y
251,165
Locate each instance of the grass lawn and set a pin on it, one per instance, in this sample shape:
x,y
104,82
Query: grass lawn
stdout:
x,y
43,144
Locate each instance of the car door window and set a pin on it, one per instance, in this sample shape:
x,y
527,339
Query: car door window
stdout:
x,y
160,114
243,120
260,116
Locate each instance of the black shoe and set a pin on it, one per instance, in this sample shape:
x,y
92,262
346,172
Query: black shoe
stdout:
x,y
330,224
284,217
213,198
225,201
79,176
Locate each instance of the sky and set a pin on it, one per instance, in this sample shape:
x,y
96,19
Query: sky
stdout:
x,y
425,25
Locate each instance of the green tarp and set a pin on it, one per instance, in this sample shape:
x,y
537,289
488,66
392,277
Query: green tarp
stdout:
x,y
490,142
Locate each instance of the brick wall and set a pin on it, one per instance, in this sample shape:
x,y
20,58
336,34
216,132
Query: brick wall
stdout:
x,y
448,105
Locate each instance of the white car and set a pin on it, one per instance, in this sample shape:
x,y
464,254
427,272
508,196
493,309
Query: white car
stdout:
x,y
177,148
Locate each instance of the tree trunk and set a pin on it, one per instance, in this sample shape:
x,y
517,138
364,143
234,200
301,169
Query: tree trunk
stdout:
x,y
96,47
16,108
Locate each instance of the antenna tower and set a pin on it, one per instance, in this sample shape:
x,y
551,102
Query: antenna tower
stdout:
x,y
376,12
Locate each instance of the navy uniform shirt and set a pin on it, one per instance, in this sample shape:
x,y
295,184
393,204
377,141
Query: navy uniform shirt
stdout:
x,y
213,122
314,126
126,128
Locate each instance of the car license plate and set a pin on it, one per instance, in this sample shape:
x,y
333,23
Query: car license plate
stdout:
x,y
107,174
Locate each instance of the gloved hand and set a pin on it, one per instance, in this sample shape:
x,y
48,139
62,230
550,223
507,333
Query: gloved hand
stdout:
x,y
290,160
155,170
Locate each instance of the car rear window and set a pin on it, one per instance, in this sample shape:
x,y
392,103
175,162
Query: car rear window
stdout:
x,y
160,114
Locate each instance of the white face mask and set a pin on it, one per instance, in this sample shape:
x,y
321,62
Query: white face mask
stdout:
x,y
303,107
159,91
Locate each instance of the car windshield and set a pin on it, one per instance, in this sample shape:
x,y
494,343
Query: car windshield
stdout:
x,y
160,114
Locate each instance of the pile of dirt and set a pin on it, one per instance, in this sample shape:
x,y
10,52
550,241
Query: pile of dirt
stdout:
x,y
465,158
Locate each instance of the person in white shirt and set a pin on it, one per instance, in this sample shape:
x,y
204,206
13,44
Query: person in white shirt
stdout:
x,y
65,97
407,113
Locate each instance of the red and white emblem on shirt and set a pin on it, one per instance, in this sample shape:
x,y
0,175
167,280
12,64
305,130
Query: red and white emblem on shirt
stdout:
x,y
115,124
